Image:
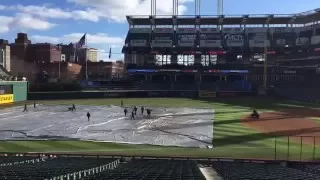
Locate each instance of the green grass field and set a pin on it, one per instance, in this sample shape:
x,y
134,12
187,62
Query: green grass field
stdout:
x,y
231,138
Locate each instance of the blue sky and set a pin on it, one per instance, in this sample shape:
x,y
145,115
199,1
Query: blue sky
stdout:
x,y
66,21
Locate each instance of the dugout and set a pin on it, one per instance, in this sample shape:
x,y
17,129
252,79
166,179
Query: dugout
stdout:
x,y
13,91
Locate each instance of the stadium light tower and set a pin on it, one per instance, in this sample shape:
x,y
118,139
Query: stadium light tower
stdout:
x,y
219,7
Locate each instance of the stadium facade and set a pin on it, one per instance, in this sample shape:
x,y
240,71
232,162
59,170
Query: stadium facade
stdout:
x,y
224,51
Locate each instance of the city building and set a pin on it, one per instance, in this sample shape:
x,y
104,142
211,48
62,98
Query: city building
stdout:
x,y
18,49
69,51
104,70
90,54
5,58
43,53
63,58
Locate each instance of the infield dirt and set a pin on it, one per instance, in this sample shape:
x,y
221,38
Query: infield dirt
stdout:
x,y
295,123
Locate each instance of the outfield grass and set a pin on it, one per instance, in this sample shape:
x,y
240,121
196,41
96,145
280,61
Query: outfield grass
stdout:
x,y
231,138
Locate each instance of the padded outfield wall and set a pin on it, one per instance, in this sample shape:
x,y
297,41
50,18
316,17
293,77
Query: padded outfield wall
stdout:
x,y
13,91
133,94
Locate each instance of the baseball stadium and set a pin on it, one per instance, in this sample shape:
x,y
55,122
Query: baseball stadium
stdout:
x,y
203,97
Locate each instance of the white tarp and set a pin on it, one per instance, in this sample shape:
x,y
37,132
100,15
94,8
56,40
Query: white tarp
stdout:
x,y
168,126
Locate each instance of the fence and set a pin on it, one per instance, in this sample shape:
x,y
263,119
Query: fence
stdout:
x,y
297,148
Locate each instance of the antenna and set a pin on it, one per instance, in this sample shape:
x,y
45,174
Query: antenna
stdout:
x,y
197,7
219,7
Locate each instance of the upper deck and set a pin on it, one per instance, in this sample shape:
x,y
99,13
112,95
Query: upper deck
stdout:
x,y
303,18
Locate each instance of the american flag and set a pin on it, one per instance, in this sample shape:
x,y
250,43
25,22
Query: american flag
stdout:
x,y
81,42
110,53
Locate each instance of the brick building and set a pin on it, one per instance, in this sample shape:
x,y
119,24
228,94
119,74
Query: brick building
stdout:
x,y
43,53
69,51
104,70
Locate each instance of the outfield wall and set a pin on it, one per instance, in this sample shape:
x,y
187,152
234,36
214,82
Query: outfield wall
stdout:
x,y
132,94
13,91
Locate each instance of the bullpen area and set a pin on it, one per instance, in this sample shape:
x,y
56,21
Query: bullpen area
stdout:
x,y
177,127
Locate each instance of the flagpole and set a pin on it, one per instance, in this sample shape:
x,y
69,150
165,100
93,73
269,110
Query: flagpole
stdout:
x,y
59,63
86,49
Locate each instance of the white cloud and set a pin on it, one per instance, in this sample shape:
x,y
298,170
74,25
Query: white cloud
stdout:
x,y
116,10
58,13
94,10
23,22
92,39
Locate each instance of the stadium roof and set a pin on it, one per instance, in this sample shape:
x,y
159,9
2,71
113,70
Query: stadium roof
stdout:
x,y
300,18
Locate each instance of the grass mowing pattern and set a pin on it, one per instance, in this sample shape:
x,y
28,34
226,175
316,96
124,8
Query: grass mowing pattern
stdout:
x,y
231,138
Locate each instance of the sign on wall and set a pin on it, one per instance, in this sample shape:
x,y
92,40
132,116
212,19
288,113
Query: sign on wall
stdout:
x,y
209,30
210,40
258,39
6,98
162,41
138,43
187,30
303,41
163,30
140,30
186,40
234,40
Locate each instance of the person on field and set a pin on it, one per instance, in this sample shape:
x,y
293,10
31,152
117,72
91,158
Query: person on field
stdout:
x,y
132,115
34,104
255,114
125,111
142,110
149,113
73,107
135,110
88,116
25,108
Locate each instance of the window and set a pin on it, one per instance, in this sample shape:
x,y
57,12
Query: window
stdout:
x,y
186,60
207,60
163,59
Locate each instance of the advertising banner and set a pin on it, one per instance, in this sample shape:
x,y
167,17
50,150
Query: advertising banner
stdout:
x,y
207,94
259,43
140,30
283,39
186,40
210,40
258,40
6,89
186,30
6,98
256,30
234,40
163,30
232,30
209,30
163,40
280,30
315,40
303,41
138,43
